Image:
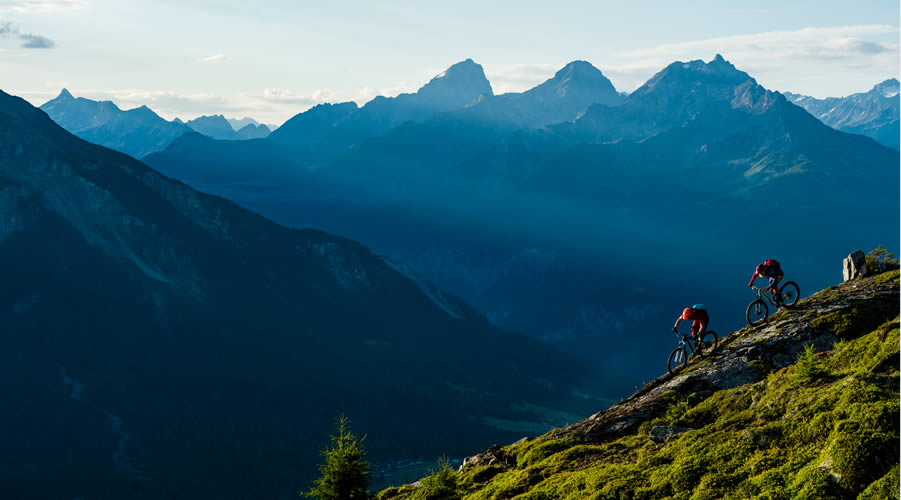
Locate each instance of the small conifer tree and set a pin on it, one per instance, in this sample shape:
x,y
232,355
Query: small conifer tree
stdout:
x,y
441,485
345,472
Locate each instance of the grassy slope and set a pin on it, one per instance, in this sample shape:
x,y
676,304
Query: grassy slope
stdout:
x,y
826,427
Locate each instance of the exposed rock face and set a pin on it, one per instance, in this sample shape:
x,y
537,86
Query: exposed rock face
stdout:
x,y
743,357
702,432
662,433
492,456
874,113
854,265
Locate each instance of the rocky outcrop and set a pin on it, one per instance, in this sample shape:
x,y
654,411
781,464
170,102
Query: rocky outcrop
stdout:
x,y
743,357
663,433
854,265
492,456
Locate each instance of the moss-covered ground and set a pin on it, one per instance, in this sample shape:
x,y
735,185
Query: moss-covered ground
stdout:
x,y
826,427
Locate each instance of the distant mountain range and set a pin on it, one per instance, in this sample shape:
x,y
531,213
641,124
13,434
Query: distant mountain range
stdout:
x,y
162,343
137,132
874,113
239,123
218,127
581,230
562,98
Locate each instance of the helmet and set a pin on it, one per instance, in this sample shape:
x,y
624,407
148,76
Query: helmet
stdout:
x,y
700,307
760,268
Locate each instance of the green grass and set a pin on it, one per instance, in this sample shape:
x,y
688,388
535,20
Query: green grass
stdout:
x,y
824,428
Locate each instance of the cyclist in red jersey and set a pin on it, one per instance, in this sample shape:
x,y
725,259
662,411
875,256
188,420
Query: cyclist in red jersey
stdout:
x,y
771,270
699,320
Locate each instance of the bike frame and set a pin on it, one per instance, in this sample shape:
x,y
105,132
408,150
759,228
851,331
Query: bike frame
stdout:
x,y
762,293
687,341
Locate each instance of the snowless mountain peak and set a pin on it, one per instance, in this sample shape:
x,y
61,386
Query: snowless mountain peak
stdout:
x,y
465,77
65,94
578,69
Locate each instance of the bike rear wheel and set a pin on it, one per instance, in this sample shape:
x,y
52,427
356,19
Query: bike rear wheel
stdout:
x,y
790,294
677,359
757,312
708,343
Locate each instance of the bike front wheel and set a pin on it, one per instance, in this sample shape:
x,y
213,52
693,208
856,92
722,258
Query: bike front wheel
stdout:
x,y
708,343
677,359
790,294
757,312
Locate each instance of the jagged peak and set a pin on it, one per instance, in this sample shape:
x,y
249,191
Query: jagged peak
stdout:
x,y
65,94
464,67
718,70
143,110
576,73
210,118
888,88
579,68
716,65
467,76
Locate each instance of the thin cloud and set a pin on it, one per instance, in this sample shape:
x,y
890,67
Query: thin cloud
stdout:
x,y
518,77
29,6
838,40
286,96
218,58
29,41
36,41
810,52
320,96
367,94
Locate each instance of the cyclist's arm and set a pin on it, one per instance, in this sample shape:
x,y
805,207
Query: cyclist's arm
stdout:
x,y
753,277
678,320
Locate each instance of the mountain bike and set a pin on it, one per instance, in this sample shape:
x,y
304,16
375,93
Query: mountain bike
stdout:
x,y
758,311
703,347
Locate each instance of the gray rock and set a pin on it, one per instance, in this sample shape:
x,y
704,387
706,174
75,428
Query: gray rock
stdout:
x,y
663,433
854,265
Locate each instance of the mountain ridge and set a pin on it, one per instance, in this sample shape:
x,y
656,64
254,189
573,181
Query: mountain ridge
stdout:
x,y
732,425
874,113
509,218
196,330
136,132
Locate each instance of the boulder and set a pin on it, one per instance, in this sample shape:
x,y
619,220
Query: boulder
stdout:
x,y
495,456
663,433
854,265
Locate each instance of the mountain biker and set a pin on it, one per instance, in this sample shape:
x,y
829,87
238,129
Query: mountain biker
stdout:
x,y
699,317
771,270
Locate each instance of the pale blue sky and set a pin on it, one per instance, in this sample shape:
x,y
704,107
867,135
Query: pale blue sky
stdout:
x,y
270,61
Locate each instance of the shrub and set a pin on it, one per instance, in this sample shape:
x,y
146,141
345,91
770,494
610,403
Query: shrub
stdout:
x,y
880,259
860,455
441,485
809,366
883,489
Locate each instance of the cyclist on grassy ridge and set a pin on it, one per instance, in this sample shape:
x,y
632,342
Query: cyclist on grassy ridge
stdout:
x,y
699,320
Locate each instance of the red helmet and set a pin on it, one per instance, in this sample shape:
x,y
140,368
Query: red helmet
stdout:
x,y
760,268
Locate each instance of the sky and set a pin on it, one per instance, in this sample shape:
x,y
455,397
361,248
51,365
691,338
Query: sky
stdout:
x,y
275,59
